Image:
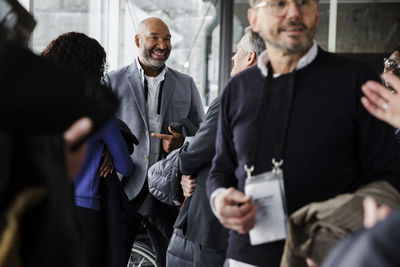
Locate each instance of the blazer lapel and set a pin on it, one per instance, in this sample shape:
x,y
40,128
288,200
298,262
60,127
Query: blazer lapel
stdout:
x,y
134,81
168,90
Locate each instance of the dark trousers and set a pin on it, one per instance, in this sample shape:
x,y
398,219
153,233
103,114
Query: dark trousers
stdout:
x,y
92,235
121,220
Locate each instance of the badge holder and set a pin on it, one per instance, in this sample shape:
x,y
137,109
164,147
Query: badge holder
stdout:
x,y
268,193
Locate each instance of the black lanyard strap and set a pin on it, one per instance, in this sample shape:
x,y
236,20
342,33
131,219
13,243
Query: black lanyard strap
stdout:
x,y
160,92
261,111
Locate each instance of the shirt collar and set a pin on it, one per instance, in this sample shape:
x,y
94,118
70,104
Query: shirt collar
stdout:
x,y
161,76
303,62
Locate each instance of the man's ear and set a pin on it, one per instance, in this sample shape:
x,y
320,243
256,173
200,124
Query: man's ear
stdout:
x,y
252,18
137,40
251,58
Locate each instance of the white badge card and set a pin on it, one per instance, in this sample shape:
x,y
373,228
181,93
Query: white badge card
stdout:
x,y
268,194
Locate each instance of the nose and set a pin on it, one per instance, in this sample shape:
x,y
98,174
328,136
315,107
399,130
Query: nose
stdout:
x,y
162,44
293,10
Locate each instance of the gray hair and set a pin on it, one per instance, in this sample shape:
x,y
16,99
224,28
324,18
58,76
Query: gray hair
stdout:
x,y
254,41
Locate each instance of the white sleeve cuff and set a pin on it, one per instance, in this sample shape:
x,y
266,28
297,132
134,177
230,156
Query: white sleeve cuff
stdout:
x,y
213,195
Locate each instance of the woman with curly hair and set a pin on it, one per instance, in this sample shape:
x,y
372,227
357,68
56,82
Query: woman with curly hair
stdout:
x,y
86,55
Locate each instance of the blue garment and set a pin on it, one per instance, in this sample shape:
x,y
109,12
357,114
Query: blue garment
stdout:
x,y
87,181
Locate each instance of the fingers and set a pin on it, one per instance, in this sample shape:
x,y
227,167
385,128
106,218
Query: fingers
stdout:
x,y
174,133
106,160
238,210
374,213
393,80
244,223
380,101
161,136
370,212
107,170
372,108
377,94
107,167
170,142
234,196
188,185
383,212
235,210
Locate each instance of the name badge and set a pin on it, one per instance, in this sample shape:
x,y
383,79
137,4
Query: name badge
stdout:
x,y
268,193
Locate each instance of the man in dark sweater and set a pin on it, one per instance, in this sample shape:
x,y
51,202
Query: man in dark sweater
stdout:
x,y
331,144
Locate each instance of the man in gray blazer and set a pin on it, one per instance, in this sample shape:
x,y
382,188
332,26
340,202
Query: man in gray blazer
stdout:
x,y
152,96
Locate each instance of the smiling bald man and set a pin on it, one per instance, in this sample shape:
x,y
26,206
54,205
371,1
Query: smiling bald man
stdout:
x,y
152,96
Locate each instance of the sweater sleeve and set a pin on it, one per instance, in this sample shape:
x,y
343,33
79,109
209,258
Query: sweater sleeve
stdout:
x,y
117,147
222,173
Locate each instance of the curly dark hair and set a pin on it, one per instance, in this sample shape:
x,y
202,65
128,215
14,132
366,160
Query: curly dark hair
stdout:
x,y
78,51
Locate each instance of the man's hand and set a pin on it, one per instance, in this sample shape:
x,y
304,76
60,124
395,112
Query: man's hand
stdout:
x,y
171,141
107,167
374,213
188,183
380,102
235,210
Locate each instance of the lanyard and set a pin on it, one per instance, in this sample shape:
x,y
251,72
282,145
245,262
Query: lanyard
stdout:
x,y
146,93
277,159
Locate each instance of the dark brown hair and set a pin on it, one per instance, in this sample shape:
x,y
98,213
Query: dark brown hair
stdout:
x,y
80,52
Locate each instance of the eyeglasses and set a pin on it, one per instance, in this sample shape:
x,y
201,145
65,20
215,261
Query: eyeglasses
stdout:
x,y
279,8
390,64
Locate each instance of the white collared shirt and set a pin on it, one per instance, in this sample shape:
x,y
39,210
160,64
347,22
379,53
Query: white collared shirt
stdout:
x,y
153,84
303,62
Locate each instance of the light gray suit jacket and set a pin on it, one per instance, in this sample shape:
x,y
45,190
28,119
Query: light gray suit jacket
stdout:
x,y
180,100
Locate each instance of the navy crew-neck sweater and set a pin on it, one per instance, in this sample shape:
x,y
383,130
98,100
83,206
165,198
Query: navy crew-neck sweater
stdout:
x,y
332,146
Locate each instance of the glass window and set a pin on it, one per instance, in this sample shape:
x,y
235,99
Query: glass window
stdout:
x,y
194,27
60,16
322,32
367,26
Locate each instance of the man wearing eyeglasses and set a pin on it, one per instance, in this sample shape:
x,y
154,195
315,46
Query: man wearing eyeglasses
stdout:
x,y
312,128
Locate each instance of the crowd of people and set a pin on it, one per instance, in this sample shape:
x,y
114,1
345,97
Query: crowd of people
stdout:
x,y
295,164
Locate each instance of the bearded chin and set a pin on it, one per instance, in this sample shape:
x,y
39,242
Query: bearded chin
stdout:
x,y
156,65
293,49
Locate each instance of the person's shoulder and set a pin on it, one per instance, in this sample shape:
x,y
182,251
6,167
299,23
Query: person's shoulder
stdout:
x,y
252,74
121,71
245,80
343,63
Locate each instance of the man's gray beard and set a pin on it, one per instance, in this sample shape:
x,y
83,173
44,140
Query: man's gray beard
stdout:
x,y
151,64
291,49
157,67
